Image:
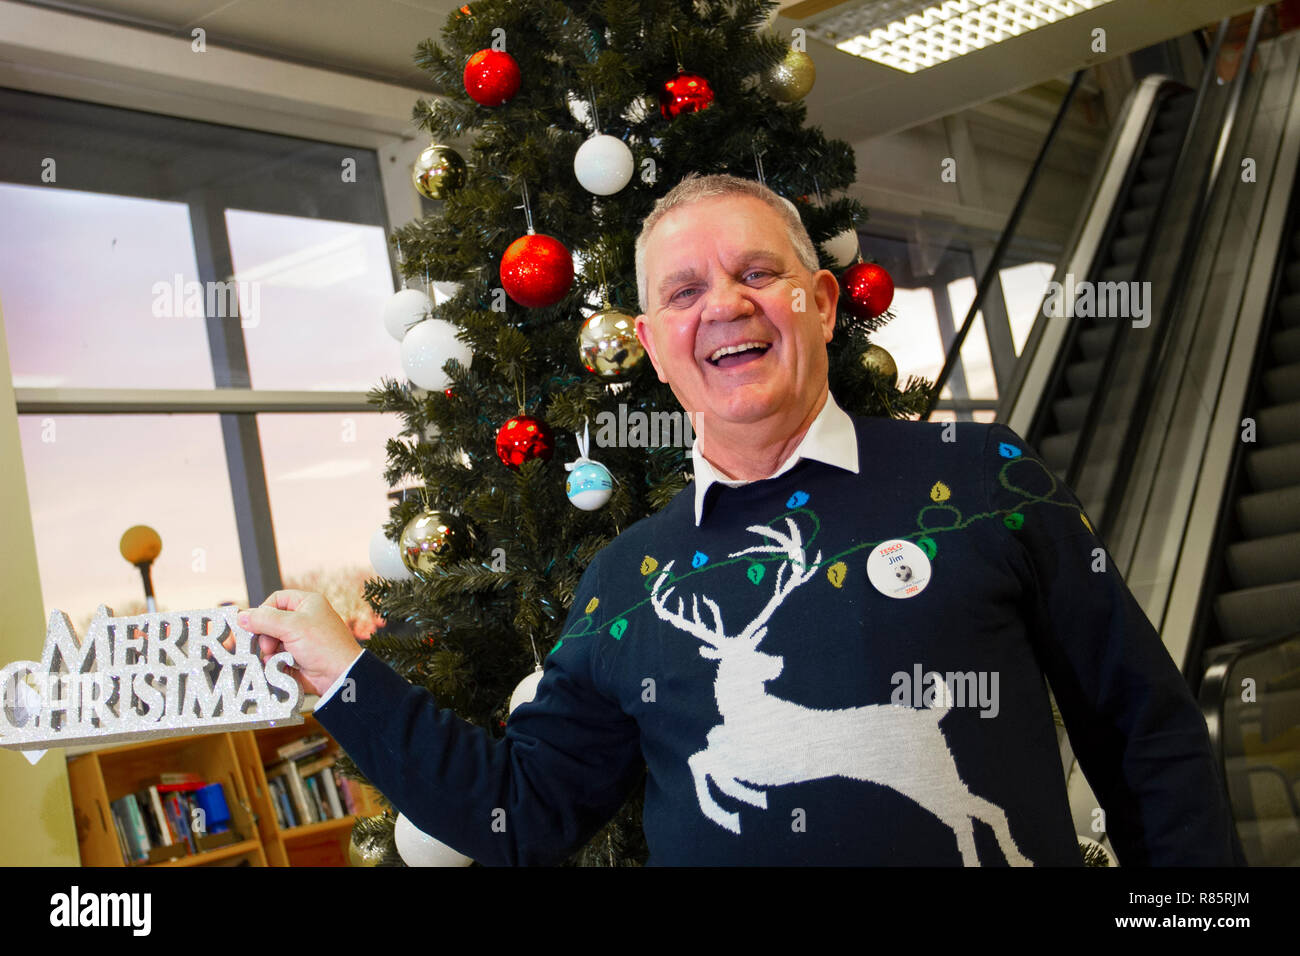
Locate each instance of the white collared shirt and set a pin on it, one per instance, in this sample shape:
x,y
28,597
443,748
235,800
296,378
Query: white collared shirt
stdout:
x,y
831,438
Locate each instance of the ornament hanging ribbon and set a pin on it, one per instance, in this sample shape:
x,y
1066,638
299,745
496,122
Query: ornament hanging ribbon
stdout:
x,y
584,446
590,483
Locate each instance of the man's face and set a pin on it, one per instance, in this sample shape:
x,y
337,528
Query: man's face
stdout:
x,y
721,272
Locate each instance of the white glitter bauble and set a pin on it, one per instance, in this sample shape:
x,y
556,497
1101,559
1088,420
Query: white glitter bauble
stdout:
x,y
603,165
386,558
843,247
417,848
526,690
404,310
426,349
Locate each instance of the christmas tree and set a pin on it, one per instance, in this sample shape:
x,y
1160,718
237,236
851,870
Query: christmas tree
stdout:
x,y
583,114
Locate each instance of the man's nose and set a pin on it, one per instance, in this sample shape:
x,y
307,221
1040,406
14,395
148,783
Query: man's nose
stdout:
x,y
726,299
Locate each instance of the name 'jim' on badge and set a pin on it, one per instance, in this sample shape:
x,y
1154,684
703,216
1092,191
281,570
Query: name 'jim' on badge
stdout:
x,y
898,568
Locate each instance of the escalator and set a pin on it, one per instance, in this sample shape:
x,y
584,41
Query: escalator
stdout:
x,y
1259,591
1121,257
1182,437
1248,633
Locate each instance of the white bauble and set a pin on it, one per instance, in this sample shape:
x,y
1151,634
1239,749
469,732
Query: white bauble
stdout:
x,y
526,690
417,848
386,558
404,310
444,291
426,349
843,247
603,165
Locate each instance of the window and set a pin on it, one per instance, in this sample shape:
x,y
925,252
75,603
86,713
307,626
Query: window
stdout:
x,y
194,315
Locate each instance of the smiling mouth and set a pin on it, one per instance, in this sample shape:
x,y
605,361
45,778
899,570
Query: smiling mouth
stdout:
x,y
738,355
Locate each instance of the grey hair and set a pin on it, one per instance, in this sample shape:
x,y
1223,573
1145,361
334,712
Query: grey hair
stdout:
x,y
694,188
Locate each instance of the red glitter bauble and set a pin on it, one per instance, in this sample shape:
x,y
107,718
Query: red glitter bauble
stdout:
x,y
491,77
523,438
868,290
536,271
684,93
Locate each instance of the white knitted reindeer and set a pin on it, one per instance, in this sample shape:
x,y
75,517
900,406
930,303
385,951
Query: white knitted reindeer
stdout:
x,y
767,742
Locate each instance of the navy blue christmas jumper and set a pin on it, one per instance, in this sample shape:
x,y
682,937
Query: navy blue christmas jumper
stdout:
x,y
786,710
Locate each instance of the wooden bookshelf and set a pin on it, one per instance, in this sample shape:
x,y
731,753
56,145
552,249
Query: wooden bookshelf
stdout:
x,y
237,761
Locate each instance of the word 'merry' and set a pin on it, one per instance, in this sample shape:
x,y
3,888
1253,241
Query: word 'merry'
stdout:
x,y
151,675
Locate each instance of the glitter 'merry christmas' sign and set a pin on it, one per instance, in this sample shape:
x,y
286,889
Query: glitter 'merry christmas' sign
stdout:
x,y
141,677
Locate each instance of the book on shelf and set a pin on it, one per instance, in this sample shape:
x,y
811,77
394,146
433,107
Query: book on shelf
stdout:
x,y
331,793
285,802
155,817
307,768
302,747
171,778
313,791
160,818
301,800
345,791
127,811
121,835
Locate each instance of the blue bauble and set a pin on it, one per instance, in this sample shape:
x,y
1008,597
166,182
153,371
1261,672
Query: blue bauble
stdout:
x,y
589,485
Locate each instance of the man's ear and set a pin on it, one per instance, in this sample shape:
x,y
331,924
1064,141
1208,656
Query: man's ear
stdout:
x,y
826,293
647,342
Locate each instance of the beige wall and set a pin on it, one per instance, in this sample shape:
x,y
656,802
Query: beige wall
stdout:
x,y
36,827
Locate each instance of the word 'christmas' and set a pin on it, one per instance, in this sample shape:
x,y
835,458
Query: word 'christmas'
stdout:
x,y
150,675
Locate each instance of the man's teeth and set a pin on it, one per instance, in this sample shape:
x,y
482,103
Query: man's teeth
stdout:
x,y
732,349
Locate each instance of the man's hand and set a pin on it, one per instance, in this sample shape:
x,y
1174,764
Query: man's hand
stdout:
x,y
304,624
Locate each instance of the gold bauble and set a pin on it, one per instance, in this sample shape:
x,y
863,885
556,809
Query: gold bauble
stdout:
x,y
792,78
607,344
426,541
875,359
367,853
438,172
140,544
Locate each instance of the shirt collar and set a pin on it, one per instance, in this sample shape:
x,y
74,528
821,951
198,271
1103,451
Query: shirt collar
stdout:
x,y
831,438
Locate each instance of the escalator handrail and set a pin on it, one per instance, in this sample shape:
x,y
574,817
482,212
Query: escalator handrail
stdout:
x,y
1214,691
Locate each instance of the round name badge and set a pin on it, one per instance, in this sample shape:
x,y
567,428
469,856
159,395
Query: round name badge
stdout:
x,y
898,569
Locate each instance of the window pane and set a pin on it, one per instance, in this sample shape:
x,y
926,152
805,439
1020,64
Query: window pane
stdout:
x,y
320,288
87,285
913,337
324,475
1024,287
90,477
976,361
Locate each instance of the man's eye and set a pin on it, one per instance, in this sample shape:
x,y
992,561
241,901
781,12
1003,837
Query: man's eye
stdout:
x,y
681,292
757,272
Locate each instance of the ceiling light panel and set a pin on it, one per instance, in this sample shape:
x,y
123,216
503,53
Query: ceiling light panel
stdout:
x,y
912,35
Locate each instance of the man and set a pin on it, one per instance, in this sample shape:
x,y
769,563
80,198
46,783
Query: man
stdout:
x,y
830,649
